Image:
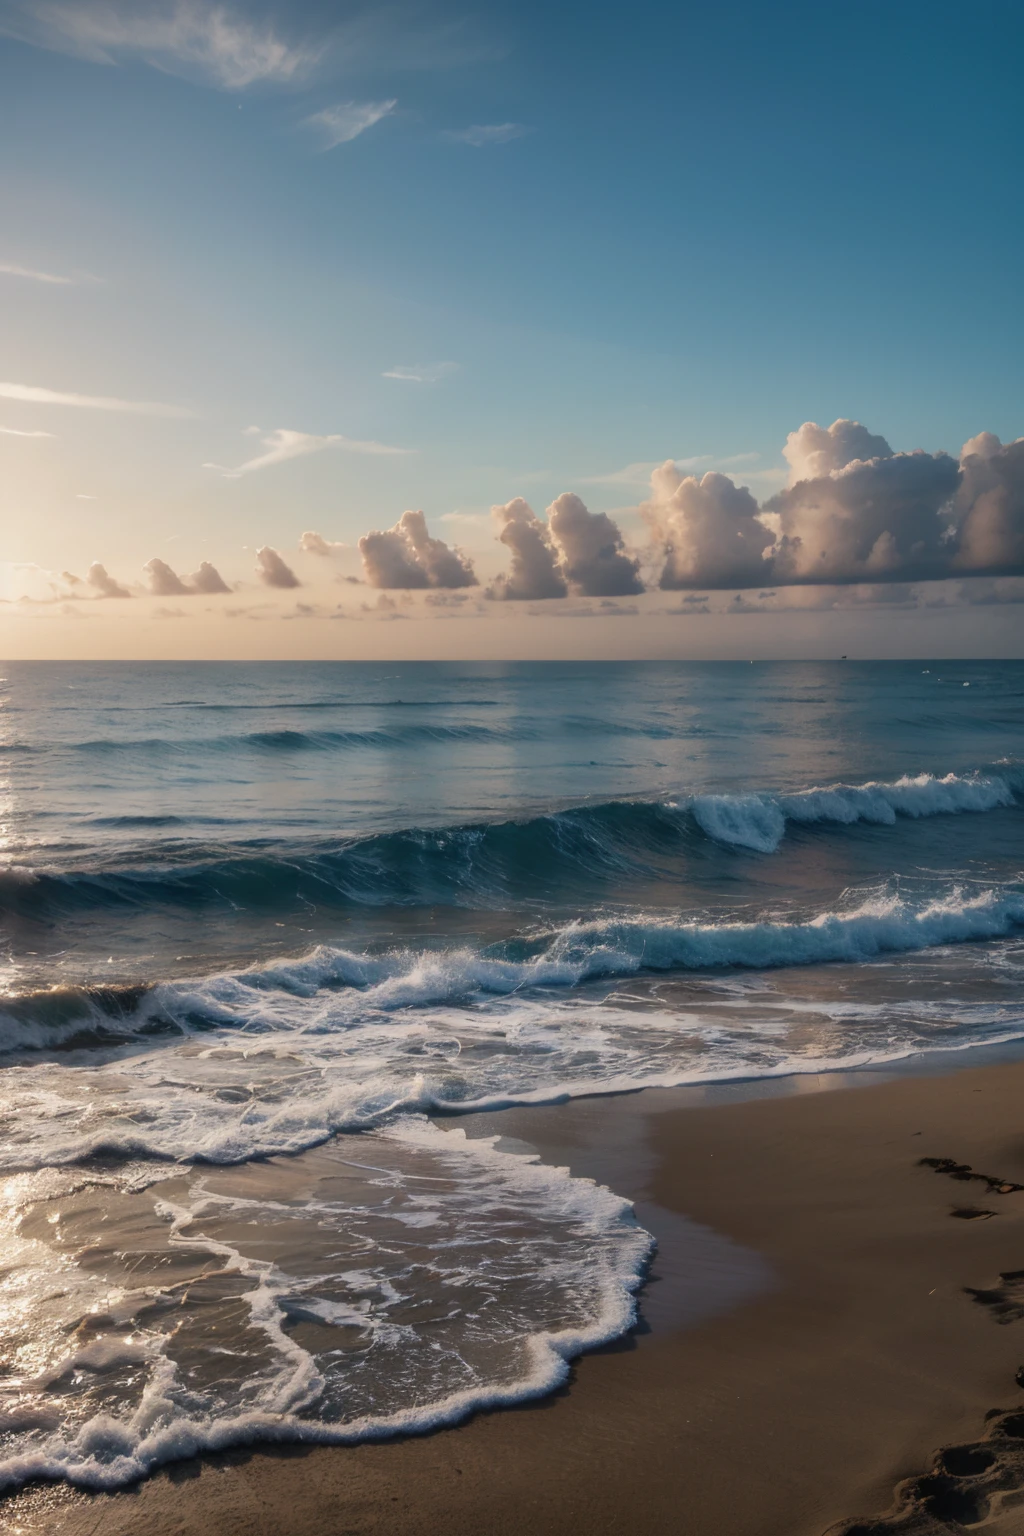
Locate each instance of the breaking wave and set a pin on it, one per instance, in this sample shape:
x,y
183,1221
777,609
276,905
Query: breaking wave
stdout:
x,y
481,864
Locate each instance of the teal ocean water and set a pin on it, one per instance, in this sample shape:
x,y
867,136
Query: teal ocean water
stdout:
x,y
268,929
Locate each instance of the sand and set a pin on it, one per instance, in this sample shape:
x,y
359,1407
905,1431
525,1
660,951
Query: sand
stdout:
x,y
806,1343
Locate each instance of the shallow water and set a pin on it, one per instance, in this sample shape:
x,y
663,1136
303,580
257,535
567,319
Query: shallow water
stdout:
x,y
260,921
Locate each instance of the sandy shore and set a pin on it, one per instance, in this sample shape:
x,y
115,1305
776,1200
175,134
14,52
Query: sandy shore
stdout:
x,y
806,1343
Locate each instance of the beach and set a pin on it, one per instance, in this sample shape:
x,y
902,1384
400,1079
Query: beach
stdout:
x,y
806,1339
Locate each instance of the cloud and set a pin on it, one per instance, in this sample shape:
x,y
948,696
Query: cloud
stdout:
x,y
812,451
165,582
574,550
33,395
985,592
315,544
709,530
98,577
431,373
633,474
873,519
185,37
534,571
346,121
273,571
482,134
207,579
468,519
593,561
854,513
16,432
991,503
283,444
406,556
10,269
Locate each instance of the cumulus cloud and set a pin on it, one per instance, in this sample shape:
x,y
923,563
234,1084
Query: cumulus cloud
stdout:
x,y
855,512
406,556
873,519
273,571
188,37
284,443
346,121
34,395
534,571
812,451
312,543
709,530
479,135
575,550
991,502
593,560
97,576
165,582
207,579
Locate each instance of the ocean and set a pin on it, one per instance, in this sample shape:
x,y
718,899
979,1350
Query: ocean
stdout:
x,y
269,930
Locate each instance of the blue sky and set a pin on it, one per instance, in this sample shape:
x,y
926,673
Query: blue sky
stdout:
x,y
596,236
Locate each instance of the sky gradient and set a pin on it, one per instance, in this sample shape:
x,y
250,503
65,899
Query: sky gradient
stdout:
x,y
267,272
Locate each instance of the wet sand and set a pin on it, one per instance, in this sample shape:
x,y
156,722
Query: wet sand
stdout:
x,y
806,1342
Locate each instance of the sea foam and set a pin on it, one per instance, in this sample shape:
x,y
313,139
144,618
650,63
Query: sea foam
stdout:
x,y
758,821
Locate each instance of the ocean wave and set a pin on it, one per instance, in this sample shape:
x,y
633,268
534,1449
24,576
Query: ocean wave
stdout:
x,y
540,858
291,739
758,821
891,919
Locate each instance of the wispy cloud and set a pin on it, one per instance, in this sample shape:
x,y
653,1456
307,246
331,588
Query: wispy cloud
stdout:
x,y
467,519
33,395
479,135
186,37
15,432
284,444
346,121
11,269
430,373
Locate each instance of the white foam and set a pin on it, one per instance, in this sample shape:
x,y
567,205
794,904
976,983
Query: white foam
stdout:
x,y
759,821
603,1250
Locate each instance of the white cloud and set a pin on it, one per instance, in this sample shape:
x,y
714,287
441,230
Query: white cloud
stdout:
x,y
33,395
97,576
406,556
284,444
10,269
346,121
273,571
186,37
431,373
992,496
812,451
482,134
165,582
468,519
313,543
17,432
709,530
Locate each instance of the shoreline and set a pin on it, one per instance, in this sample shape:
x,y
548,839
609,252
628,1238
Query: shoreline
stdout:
x,y
804,1340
